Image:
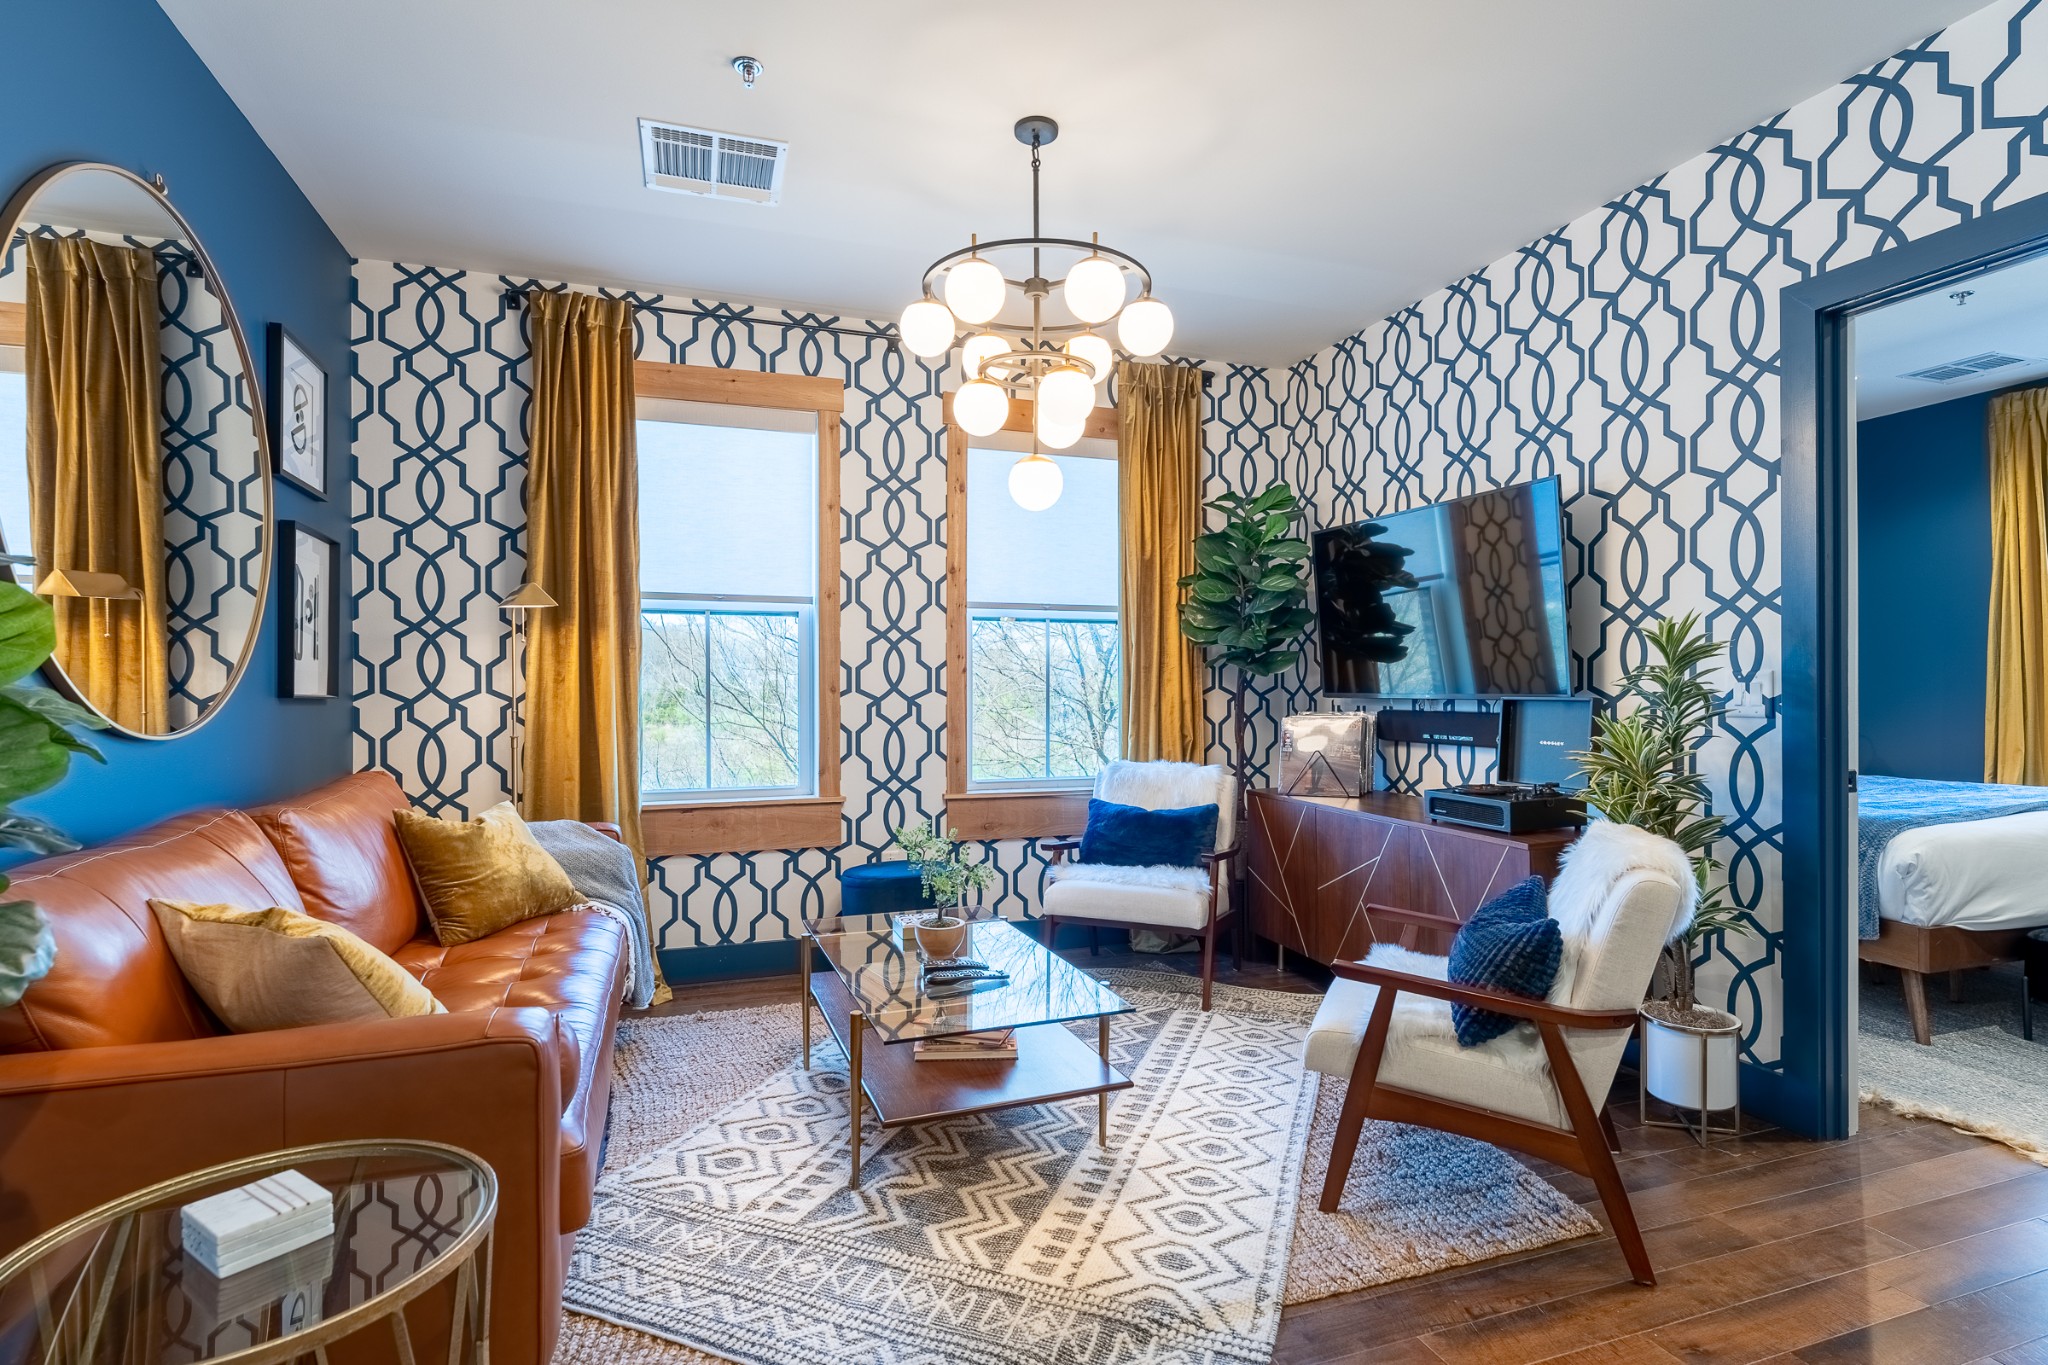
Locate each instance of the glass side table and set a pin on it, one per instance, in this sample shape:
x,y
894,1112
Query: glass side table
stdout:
x,y
114,1287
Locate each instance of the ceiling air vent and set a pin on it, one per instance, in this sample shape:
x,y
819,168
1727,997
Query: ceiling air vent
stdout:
x,y
1966,368
700,161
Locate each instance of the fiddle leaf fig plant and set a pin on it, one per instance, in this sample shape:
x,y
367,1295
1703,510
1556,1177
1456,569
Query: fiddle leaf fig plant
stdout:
x,y
36,745
1643,770
1248,595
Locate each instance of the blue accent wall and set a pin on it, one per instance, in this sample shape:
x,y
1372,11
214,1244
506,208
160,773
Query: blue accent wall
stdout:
x,y
114,81
1923,507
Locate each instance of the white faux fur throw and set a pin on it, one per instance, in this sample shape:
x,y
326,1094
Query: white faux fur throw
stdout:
x,y
1171,786
1165,876
1606,854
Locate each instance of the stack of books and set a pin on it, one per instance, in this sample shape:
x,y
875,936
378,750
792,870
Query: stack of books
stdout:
x,y
994,1045
239,1228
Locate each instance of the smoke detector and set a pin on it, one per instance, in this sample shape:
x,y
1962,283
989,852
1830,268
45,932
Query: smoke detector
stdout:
x,y
717,165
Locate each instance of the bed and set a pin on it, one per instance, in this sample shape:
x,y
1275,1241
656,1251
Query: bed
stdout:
x,y
1951,876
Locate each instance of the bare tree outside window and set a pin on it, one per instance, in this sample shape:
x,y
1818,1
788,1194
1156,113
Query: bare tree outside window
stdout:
x,y
1044,696
720,697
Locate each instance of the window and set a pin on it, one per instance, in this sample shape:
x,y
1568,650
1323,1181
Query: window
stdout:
x,y
1042,656
729,507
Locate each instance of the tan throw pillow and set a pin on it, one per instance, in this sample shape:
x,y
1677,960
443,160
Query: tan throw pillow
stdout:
x,y
268,969
479,876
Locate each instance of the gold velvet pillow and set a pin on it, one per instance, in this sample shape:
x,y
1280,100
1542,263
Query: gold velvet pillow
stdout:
x,y
268,969
479,876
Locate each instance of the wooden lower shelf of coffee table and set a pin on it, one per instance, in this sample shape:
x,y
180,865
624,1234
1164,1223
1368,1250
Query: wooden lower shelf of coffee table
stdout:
x,y
1051,1064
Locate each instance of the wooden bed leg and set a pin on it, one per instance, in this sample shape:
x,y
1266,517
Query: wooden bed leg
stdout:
x,y
1914,984
1955,986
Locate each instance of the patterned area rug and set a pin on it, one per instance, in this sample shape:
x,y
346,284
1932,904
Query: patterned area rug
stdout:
x,y
1979,1074
1012,1237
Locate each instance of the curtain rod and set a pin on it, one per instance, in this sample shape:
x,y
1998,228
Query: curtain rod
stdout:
x,y
515,301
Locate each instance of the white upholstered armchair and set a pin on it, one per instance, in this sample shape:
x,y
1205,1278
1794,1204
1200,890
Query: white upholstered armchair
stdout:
x,y
1176,900
1542,1086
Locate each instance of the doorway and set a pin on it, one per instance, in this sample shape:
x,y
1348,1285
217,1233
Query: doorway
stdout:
x,y
1823,933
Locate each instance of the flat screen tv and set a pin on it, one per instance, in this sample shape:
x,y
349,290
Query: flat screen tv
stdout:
x,y
1461,599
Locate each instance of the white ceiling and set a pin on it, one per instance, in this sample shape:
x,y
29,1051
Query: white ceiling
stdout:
x,y
2007,311
1289,171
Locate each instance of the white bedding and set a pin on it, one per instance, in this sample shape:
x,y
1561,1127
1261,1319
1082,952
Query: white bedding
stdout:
x,y
1976,874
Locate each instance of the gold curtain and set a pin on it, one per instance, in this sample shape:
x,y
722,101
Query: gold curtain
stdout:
x,y
95,466
583,548
1159,501
2016,671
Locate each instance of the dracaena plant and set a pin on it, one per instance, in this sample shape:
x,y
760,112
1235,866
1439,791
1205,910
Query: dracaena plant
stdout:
x,y
1643,769
36,746
1248,596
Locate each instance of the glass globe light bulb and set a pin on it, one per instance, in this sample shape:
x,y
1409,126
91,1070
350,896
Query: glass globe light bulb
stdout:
x,y
1035,483
1066,396
1093,289
977,349
981,407
1096,352
926,328
1058,435
975,290
1145,327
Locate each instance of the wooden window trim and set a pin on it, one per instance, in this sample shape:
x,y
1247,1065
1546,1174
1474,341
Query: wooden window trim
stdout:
x,y
13,324
989,813
766,824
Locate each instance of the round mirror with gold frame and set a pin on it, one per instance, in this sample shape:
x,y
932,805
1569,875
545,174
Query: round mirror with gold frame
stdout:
x,y
135,492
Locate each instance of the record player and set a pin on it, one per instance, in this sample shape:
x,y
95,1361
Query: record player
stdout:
x,y
1506,807
1537,772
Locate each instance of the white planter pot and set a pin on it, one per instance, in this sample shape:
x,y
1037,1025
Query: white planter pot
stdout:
x,y
1672,1064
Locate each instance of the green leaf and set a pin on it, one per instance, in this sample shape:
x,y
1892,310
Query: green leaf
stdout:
x,y
1289,550
1278,580
37,836
1276,526
34,754
1277,498
28,632
57,709
1202,614
1214,590
1213,552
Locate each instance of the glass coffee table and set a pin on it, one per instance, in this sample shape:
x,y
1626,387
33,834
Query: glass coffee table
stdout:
x,y
873,992
114,1286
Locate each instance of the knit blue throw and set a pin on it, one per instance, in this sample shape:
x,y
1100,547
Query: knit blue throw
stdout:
x,y
1887,807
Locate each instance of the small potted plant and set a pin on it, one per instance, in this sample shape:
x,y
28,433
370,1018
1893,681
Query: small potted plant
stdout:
x,y
35,753
949,879
1643,770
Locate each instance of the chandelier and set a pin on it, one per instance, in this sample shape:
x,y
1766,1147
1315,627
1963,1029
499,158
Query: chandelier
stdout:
x,y
1012,349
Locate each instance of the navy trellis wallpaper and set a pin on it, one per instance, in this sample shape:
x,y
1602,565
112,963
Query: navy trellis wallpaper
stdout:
x,y
1634,352
440,393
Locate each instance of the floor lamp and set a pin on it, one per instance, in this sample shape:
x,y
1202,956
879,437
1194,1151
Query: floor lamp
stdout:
x,y
527,597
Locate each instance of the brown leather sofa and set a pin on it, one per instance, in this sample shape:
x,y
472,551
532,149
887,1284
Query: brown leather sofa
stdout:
x,y
113,1074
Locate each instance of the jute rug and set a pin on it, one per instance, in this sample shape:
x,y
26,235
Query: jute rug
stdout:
x,y
723,1222
1979,1074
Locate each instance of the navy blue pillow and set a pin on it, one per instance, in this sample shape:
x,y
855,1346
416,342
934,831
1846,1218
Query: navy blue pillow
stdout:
x,y
1131,836
1510,944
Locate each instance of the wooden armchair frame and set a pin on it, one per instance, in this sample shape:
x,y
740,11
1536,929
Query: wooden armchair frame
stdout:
x,y
1587,1147
1212,862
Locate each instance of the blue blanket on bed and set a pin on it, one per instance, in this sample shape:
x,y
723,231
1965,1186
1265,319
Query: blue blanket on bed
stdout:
x,y
1887,807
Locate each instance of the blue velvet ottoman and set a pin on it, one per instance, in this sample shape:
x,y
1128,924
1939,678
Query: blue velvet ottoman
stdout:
x,y
881,889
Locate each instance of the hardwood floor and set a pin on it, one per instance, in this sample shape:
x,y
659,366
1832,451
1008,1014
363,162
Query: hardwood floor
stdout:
x,y
1909,1243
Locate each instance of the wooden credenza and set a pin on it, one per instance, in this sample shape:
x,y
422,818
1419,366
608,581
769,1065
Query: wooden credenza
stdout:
x,y
1313,864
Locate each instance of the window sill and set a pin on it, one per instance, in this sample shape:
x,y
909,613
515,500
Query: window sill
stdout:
x,y
759,825
1042,814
